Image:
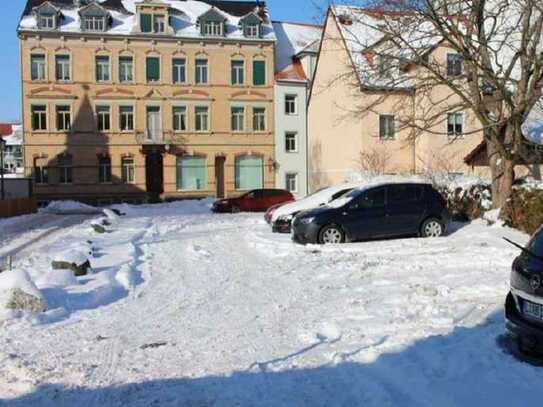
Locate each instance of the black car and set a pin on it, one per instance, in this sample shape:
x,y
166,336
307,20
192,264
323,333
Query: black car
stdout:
x,y
384,210
524,303
283,223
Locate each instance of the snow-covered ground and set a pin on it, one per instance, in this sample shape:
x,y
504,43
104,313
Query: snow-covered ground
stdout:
x,y
186,308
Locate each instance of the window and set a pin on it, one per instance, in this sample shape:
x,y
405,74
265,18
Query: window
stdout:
x,y
291,142
159,24
387,126
39,117
237,72
104,118
64,121
191,173
237,118
102,69
213,28
94,23
385,66
259,119
259,73
249,172
454,65
291,105
455,124
252,30
128,170
291,182
104,170
37,67
126,118
41,174
398,194
152,65
179,70
126,69
65,169
202,117
62,67
179,118
374,198
47,21
201,71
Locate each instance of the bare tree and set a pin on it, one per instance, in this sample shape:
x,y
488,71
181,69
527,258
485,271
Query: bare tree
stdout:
x,y
375,161
495,69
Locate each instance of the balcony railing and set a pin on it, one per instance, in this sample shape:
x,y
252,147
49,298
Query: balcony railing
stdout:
x,y
154,137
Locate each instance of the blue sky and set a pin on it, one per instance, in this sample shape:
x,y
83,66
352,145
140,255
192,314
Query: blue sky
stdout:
x,y
10,11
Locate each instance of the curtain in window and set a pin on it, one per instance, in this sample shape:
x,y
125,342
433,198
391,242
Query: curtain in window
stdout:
x,y
191,173
249,172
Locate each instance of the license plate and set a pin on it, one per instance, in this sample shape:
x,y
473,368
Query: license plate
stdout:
x,y
533,310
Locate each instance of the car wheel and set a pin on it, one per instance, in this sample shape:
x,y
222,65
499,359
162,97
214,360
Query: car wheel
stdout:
x,y
432,228
331,234
235,209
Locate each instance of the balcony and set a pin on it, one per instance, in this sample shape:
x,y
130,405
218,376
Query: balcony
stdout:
x,y
154,137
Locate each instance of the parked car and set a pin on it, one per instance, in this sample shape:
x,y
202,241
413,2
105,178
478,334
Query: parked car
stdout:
x,y
257,200
269,213
524,303
380,210
282,218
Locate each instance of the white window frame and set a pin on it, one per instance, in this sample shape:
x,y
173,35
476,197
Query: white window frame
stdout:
x,y
41,68
64,114
126,115
130,170
177,114
213,29
123,74
103,115
287,142
103,65
252,30
66,70
293,103
94,23
101,165
159,23
199,70
237,119
178,69
42,117
237,72
454,134
196,114
50,19
291,176
262,119
387,135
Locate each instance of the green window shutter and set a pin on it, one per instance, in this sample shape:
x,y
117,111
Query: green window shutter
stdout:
x,y
153,69
259,73
146,23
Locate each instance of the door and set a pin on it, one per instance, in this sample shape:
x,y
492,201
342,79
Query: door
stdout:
x,y
405,208
154,175
153,123
219,176
365,216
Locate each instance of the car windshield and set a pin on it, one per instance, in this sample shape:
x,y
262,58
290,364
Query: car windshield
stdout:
x,y
535,245
344,199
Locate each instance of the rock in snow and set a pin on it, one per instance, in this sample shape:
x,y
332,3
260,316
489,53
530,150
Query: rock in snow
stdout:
x,y
19,293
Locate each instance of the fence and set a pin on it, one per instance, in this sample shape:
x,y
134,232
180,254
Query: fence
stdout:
x,y
19,206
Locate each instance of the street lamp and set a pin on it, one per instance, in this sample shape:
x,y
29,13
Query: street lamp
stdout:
x,y
2,148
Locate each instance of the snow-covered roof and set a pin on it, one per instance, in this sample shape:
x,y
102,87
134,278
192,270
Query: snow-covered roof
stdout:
x,y
292,39
16,136
184,16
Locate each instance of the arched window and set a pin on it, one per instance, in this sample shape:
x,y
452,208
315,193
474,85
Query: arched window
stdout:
x,y
249,172
191,173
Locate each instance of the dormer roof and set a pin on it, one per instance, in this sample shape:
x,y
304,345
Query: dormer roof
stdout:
x,y
213,14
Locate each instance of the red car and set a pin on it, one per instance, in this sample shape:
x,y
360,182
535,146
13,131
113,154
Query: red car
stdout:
x,y
269,213
257,200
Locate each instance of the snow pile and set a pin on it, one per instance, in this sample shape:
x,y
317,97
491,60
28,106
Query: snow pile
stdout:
x,y
70,208
57,278
19,293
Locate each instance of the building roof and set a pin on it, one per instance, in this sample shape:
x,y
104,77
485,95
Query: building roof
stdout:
x,y
184,19
292,39
5,129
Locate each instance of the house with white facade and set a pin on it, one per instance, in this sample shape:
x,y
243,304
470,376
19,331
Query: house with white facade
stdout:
x,y
13,153
296,53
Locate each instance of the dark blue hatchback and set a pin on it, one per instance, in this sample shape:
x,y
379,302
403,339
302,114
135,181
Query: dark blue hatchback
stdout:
x,y
384,210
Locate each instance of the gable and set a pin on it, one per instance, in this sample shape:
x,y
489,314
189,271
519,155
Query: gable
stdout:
x,y
250,18
93,10
212,15
46,9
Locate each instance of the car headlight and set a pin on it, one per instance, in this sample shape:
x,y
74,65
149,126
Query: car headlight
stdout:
x,y
306,221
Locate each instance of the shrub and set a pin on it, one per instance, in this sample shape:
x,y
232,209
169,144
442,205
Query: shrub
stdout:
x,y
524,210
467,202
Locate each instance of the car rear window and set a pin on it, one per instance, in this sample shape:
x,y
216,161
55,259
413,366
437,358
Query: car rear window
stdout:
x,y
404,193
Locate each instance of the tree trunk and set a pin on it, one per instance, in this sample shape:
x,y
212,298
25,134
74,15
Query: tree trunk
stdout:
x,y
502,172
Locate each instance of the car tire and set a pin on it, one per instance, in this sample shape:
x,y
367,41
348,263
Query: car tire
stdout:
x,y
235,209
331,234
432,227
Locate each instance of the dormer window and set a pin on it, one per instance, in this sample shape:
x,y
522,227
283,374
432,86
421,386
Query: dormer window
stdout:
x,y
153,23
252,30
213,28
47,22
159,24
251,25
94,23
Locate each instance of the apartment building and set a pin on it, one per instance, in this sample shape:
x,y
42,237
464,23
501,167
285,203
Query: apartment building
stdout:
x,y
362,103
296,54
127,100
13,149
